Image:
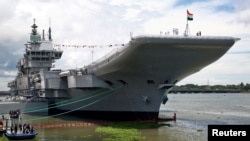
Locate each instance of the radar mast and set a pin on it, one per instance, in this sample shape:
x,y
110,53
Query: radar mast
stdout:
x,y
34,36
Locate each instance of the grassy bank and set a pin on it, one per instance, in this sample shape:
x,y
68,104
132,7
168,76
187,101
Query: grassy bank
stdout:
x,y
125,131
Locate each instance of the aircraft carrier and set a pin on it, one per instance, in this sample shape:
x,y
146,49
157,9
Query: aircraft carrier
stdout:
x,y
129,83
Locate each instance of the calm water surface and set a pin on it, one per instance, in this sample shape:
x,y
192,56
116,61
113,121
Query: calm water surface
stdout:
x,y
194,112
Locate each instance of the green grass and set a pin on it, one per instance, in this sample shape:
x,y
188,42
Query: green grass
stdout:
x,y
125,131
118,134
3,138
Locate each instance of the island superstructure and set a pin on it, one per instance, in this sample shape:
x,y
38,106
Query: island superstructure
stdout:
x,y
129,83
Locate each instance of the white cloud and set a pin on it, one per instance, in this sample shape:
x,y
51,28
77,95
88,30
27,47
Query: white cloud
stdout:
x,y
5,64
84,22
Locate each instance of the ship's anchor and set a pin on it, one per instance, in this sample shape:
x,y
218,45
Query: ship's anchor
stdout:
x,y
146,99
164,99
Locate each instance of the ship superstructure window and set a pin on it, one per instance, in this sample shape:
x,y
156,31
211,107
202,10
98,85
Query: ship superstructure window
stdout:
x,y
57,55
151,82
39,59
36,58
38,53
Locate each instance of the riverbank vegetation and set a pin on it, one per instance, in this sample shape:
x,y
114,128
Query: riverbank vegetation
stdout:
x,y
3,138
239,88
125,131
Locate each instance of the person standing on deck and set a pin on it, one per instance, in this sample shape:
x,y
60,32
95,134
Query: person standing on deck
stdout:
x,y
11,129
20,127
15,128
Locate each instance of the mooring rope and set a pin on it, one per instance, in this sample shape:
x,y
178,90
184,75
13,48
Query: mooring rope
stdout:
x,y
62,103
84,106
27,110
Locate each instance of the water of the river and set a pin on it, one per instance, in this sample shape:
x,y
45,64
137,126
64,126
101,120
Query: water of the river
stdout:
x,y
194,113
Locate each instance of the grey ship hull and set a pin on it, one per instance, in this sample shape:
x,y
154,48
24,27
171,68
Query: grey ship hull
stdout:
x,y
138,77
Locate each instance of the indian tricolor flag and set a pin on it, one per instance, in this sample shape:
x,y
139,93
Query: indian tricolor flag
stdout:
x,y
189,16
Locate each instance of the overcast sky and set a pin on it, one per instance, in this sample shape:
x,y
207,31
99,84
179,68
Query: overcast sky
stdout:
x,y
103,22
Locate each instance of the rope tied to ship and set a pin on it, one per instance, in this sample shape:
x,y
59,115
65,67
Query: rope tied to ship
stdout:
x,y
111,92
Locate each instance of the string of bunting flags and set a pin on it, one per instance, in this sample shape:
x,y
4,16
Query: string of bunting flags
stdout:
x,y
87,46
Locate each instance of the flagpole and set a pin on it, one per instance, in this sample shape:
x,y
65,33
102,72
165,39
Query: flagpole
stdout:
x,y
187,26
187,29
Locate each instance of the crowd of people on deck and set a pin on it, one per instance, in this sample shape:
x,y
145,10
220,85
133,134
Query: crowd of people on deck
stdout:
x,y
18,127
25,128
14,113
